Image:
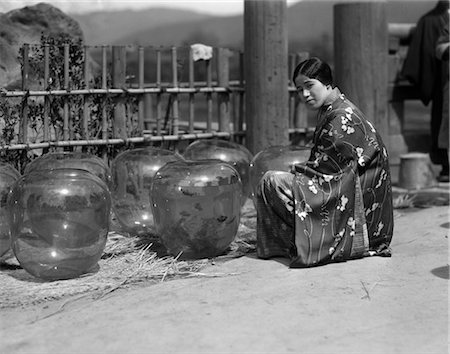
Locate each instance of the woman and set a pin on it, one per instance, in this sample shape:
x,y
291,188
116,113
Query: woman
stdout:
x,y
337,205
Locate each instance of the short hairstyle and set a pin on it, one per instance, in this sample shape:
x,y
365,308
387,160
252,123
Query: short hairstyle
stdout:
x,y
314,68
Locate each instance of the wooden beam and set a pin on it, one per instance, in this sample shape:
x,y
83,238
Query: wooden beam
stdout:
x,y
266,73
360,54
119,81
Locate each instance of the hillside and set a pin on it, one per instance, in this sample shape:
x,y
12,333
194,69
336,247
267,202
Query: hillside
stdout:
x,y
106,27
308,21
26,25
310,28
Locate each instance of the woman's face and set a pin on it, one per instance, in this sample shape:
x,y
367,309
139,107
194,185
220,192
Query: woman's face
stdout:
x,y
312,92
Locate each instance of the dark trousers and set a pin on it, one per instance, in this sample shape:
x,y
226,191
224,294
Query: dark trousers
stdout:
x,y
437,155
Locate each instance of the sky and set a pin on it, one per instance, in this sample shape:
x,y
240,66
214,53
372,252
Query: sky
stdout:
x,y
213,7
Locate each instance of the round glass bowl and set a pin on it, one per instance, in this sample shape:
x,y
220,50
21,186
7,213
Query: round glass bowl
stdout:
x,y
233,153
59,222
132,175
8,176
277,158
69,159
196,206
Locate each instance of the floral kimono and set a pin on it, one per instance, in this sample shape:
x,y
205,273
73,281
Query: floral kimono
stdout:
x,y
340,200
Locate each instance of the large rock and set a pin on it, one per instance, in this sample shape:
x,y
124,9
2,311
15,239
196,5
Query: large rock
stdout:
x,y
26,25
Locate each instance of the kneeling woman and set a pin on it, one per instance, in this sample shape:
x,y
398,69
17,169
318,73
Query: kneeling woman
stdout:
x,y
337,205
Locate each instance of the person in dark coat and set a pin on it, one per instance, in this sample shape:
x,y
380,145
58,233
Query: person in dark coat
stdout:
x,y
425,71
442,53
337,205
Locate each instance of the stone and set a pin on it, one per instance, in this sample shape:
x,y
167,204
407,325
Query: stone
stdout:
x,y
26,25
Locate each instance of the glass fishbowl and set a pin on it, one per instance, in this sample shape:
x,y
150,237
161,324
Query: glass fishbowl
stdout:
x,y
196,206
59,222
71,159
278,158
233,153
132,175
8,176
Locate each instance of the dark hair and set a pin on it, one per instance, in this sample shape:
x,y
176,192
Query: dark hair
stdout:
x,y
314,68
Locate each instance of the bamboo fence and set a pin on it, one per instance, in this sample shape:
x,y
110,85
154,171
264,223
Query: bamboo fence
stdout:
x,y
214,103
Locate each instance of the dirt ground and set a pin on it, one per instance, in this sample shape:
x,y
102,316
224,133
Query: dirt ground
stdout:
x,y
371,305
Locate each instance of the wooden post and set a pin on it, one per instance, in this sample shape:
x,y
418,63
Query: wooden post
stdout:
x,y
266,73
397,143
67,119
241,108
46,135
118,81
104,86
292,95
86,98
104,123
209,100
175,113
23,128
148,111
301,112
141,109
159,118
191,95
223,70
360,57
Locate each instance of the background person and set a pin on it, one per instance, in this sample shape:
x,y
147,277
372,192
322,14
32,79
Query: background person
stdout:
x,y
425,71
442,53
